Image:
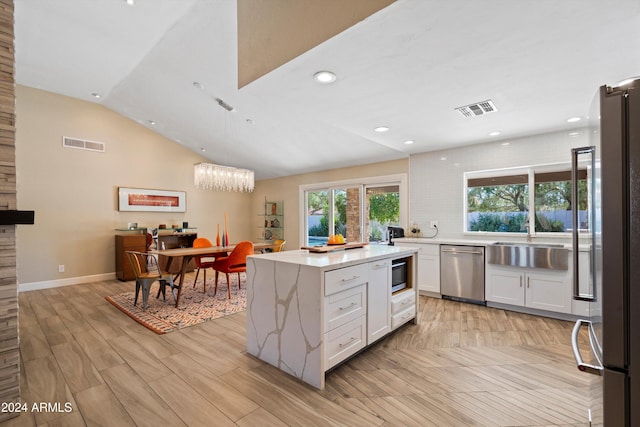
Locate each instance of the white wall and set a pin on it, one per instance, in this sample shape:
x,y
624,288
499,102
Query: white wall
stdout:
x,y
436,179
288,190
74,192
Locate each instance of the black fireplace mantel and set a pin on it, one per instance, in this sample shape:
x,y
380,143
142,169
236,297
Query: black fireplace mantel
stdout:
x,y
14,217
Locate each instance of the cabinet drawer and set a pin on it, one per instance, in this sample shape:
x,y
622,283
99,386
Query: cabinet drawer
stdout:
x,y
403,317
344,278
402,301
343,307
344,341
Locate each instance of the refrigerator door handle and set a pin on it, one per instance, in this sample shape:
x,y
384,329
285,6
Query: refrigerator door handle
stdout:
x,y
595,348
575,222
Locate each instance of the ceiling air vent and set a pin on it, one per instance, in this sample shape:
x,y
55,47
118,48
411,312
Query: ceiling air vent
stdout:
x,y
477,109
82,144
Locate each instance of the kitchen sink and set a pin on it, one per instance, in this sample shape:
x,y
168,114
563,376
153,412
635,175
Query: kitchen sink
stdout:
x,y
548,256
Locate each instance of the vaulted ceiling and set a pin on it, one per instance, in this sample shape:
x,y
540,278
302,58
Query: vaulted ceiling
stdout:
x,y
405,64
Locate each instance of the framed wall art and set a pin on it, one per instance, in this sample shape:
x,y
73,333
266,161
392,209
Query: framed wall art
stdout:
x,y
142,199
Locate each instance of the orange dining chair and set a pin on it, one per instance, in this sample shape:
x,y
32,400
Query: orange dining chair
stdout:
x,y
236,262
203,261
145,266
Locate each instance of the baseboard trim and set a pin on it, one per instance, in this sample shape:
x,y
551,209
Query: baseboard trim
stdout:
x,y
536,312
430,294
34,286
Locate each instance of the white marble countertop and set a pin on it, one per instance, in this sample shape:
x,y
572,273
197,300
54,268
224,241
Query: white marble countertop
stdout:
x,y
476,242
337,259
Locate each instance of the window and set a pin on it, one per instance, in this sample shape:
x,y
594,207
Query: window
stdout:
x,y
383,205
317,217
553,201
500,201
360,210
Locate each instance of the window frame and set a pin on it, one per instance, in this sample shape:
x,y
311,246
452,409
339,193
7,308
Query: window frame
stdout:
x,y
398,179
530,171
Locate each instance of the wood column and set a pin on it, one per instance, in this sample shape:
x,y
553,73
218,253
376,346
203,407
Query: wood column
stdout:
x,y
9,345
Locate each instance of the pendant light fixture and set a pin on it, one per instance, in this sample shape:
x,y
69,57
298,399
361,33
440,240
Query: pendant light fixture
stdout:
x,y
210,176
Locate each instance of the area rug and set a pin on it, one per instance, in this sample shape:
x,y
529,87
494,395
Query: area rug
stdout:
x,y
195,306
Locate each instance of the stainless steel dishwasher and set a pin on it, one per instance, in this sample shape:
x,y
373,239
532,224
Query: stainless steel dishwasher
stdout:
x,y
462,273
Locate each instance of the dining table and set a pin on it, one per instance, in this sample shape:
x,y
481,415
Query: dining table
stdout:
x,y
187,255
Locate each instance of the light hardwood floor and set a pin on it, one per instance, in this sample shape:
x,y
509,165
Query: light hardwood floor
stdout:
x,y
462,365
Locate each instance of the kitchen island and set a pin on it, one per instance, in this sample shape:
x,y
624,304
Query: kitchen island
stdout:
x,y
309,312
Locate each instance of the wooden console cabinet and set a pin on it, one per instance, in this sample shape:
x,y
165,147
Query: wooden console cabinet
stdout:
x,y
129,242
138,242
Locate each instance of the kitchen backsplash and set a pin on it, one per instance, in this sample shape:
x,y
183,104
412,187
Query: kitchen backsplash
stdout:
x,y
437,178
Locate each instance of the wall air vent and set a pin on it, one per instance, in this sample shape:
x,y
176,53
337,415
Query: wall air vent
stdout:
x,y
477,109
83,144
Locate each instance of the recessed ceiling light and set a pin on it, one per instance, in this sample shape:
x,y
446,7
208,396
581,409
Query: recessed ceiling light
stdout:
x,y
443,158
151,122
409,142
130,2
574,134
574,119
496,133
505,144
324,77
382,129
203,149
251,122
96,95
198,85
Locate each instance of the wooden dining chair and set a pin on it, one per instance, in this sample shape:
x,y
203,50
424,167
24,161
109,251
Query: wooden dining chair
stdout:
x,y
236,262
204,261
146,269
278,245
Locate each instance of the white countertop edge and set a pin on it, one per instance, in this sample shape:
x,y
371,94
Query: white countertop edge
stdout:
x,y
471,242
338,259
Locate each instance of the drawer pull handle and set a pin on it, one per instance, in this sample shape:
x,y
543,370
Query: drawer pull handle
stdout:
x,y
350,279
405,302
379,265
347,307
347,343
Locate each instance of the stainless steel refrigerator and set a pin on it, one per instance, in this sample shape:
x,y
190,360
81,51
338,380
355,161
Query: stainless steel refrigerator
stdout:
x,y
606,342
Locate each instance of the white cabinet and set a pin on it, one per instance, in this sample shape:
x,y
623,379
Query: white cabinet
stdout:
x,y
549,291
534,288
343,307
345,312
403,308
428,265
359,308
344,341
378,306
504,285
345,278
341,303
